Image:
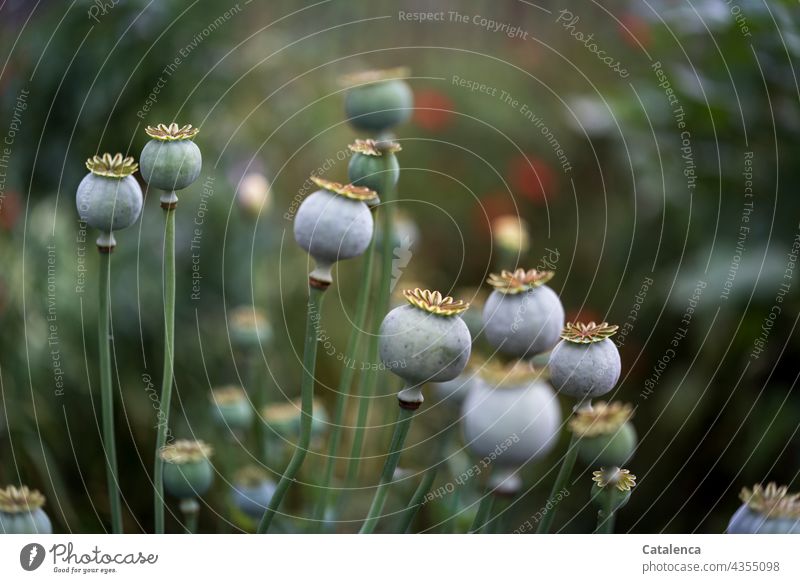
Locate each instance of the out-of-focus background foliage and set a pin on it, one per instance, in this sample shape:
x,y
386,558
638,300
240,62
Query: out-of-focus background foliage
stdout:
x,y
641,200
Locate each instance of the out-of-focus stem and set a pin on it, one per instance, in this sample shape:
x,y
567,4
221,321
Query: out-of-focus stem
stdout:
x,y
315,297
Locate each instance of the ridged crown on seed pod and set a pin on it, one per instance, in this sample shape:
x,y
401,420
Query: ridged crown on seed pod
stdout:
x,y
185,451
251,476
22,499
228,395
115,166
172,132
580,333
773,501
622,480
601,419
248,320
372,147
511,232
434,303
373,76
350,191
512,375
518,281
287,411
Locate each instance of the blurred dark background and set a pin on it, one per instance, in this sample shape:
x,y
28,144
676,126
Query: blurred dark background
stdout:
x,y
630,178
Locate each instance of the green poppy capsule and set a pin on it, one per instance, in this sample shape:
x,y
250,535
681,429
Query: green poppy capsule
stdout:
x,y
377,101
187,469
171,160
21,512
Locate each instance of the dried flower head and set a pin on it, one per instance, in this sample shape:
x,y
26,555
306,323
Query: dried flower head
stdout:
x,y
511,232
580,333
511,375
374,76
361,193
434,302
600,419
251,476
171,132
279,413
20,499
248,319
518,281
773,501
622,480
372,147
184,451
228,395
112,166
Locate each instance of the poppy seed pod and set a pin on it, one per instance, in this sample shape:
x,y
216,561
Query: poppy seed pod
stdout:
x,y
252,491
424,341
171,160
21,512
607,437
249,326
334,223
511,234
511,416
522,316
612,486
453,392
109,198
586,363
370,162
770,510
284,419
377,101
231,408
253,194
187,469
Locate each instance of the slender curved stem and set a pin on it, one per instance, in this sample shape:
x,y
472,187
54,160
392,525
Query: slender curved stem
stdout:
x,y
427,481
107,393
404,418
605,517
561,481
484,511
496,521
416,500
315,297
169,356
259,392
345,381
448,525
369,379
191,515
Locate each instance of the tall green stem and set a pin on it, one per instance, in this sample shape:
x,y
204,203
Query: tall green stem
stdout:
x,y
107,392
605,517
404,418
259,392
484,511
307,408
369,379
169,356
417,499
561,481
345,381
427,481
191,514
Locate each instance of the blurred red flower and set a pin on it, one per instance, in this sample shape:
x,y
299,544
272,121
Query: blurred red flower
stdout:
x,y
532,178
433,110
10,207
635,31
